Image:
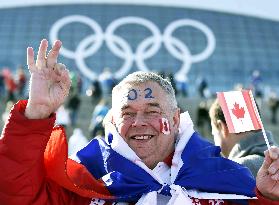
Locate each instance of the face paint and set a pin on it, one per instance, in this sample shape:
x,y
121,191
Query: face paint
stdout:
x,y
164,126
148,93
132,95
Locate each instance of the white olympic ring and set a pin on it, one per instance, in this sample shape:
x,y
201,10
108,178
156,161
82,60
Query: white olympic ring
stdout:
x,y
121,48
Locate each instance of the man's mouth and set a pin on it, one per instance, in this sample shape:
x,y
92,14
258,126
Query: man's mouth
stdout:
x,y
142,137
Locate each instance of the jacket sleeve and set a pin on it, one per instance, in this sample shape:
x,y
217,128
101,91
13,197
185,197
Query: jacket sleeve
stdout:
x,y
263,200
22,173
260,201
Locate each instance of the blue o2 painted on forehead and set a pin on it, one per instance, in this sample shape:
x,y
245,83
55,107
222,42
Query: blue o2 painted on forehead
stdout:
x,y
133,94
148,93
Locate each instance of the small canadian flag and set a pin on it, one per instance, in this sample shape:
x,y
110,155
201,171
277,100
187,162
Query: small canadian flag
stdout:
x,y
240,110
164,126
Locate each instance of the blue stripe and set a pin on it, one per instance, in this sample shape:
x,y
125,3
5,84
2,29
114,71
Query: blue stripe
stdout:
x,y
129,181
124,179
204,169
93,155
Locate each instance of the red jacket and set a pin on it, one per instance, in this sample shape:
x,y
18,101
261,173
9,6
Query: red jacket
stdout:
x,y
24,174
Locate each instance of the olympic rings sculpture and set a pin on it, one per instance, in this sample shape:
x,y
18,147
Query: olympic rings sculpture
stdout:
x,y
121,48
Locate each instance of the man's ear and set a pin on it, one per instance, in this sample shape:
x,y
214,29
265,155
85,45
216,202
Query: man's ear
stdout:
x,y
176,118
223,128
108,118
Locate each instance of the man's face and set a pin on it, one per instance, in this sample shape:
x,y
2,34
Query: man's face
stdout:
x,y
137,113
216,134
222,137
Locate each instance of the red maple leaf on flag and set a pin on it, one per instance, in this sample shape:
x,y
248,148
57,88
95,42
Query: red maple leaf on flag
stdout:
x,y
238,111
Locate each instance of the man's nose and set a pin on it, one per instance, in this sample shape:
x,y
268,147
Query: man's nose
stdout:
x,y
139,120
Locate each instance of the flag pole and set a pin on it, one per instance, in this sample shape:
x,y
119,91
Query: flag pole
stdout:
x,y
260,120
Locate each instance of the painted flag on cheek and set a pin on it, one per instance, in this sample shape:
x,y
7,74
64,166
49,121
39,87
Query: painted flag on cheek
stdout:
x,y
164,126
240,110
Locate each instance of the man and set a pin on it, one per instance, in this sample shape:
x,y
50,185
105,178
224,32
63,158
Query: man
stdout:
x,y
148,157
246,148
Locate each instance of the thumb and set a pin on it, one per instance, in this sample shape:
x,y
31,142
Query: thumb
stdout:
x,y
267,161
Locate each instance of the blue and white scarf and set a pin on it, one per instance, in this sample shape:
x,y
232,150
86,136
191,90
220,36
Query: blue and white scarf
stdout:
x,y
199,170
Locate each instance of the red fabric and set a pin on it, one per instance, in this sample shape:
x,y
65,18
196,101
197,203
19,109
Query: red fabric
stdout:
x,y
264,200
66,172
168,160
22,173
24,179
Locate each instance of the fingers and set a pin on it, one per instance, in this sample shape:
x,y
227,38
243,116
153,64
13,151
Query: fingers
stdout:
x,y
41,57
43,61
270,156
267,161
270,165
65,82
53,54
58,68
273,168
30,59
274,152
62,75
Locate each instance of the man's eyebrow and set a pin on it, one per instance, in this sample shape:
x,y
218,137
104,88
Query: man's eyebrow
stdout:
x,y
125,107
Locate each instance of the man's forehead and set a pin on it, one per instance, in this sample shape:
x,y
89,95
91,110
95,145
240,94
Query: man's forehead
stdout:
x,y
145,93
140,87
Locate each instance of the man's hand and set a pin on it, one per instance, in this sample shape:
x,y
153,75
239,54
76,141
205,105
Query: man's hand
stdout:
x,y
49,82
268,176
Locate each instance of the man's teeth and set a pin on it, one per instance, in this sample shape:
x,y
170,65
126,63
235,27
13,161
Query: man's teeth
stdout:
x,y
142,137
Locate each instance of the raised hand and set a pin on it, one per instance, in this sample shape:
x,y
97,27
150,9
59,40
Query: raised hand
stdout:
x,y
268,176
49,82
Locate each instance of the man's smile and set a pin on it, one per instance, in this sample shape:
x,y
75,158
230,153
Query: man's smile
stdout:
x,y
142,137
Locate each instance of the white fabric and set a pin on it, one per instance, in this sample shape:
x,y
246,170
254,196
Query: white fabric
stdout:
x,y
179,196
186,130
148,199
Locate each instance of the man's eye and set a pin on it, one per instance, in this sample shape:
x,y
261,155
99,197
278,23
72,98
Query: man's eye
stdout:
x,y
153,112
127,114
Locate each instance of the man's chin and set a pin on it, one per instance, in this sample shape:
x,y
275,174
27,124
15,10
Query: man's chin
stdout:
x,y
142,154
146,156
